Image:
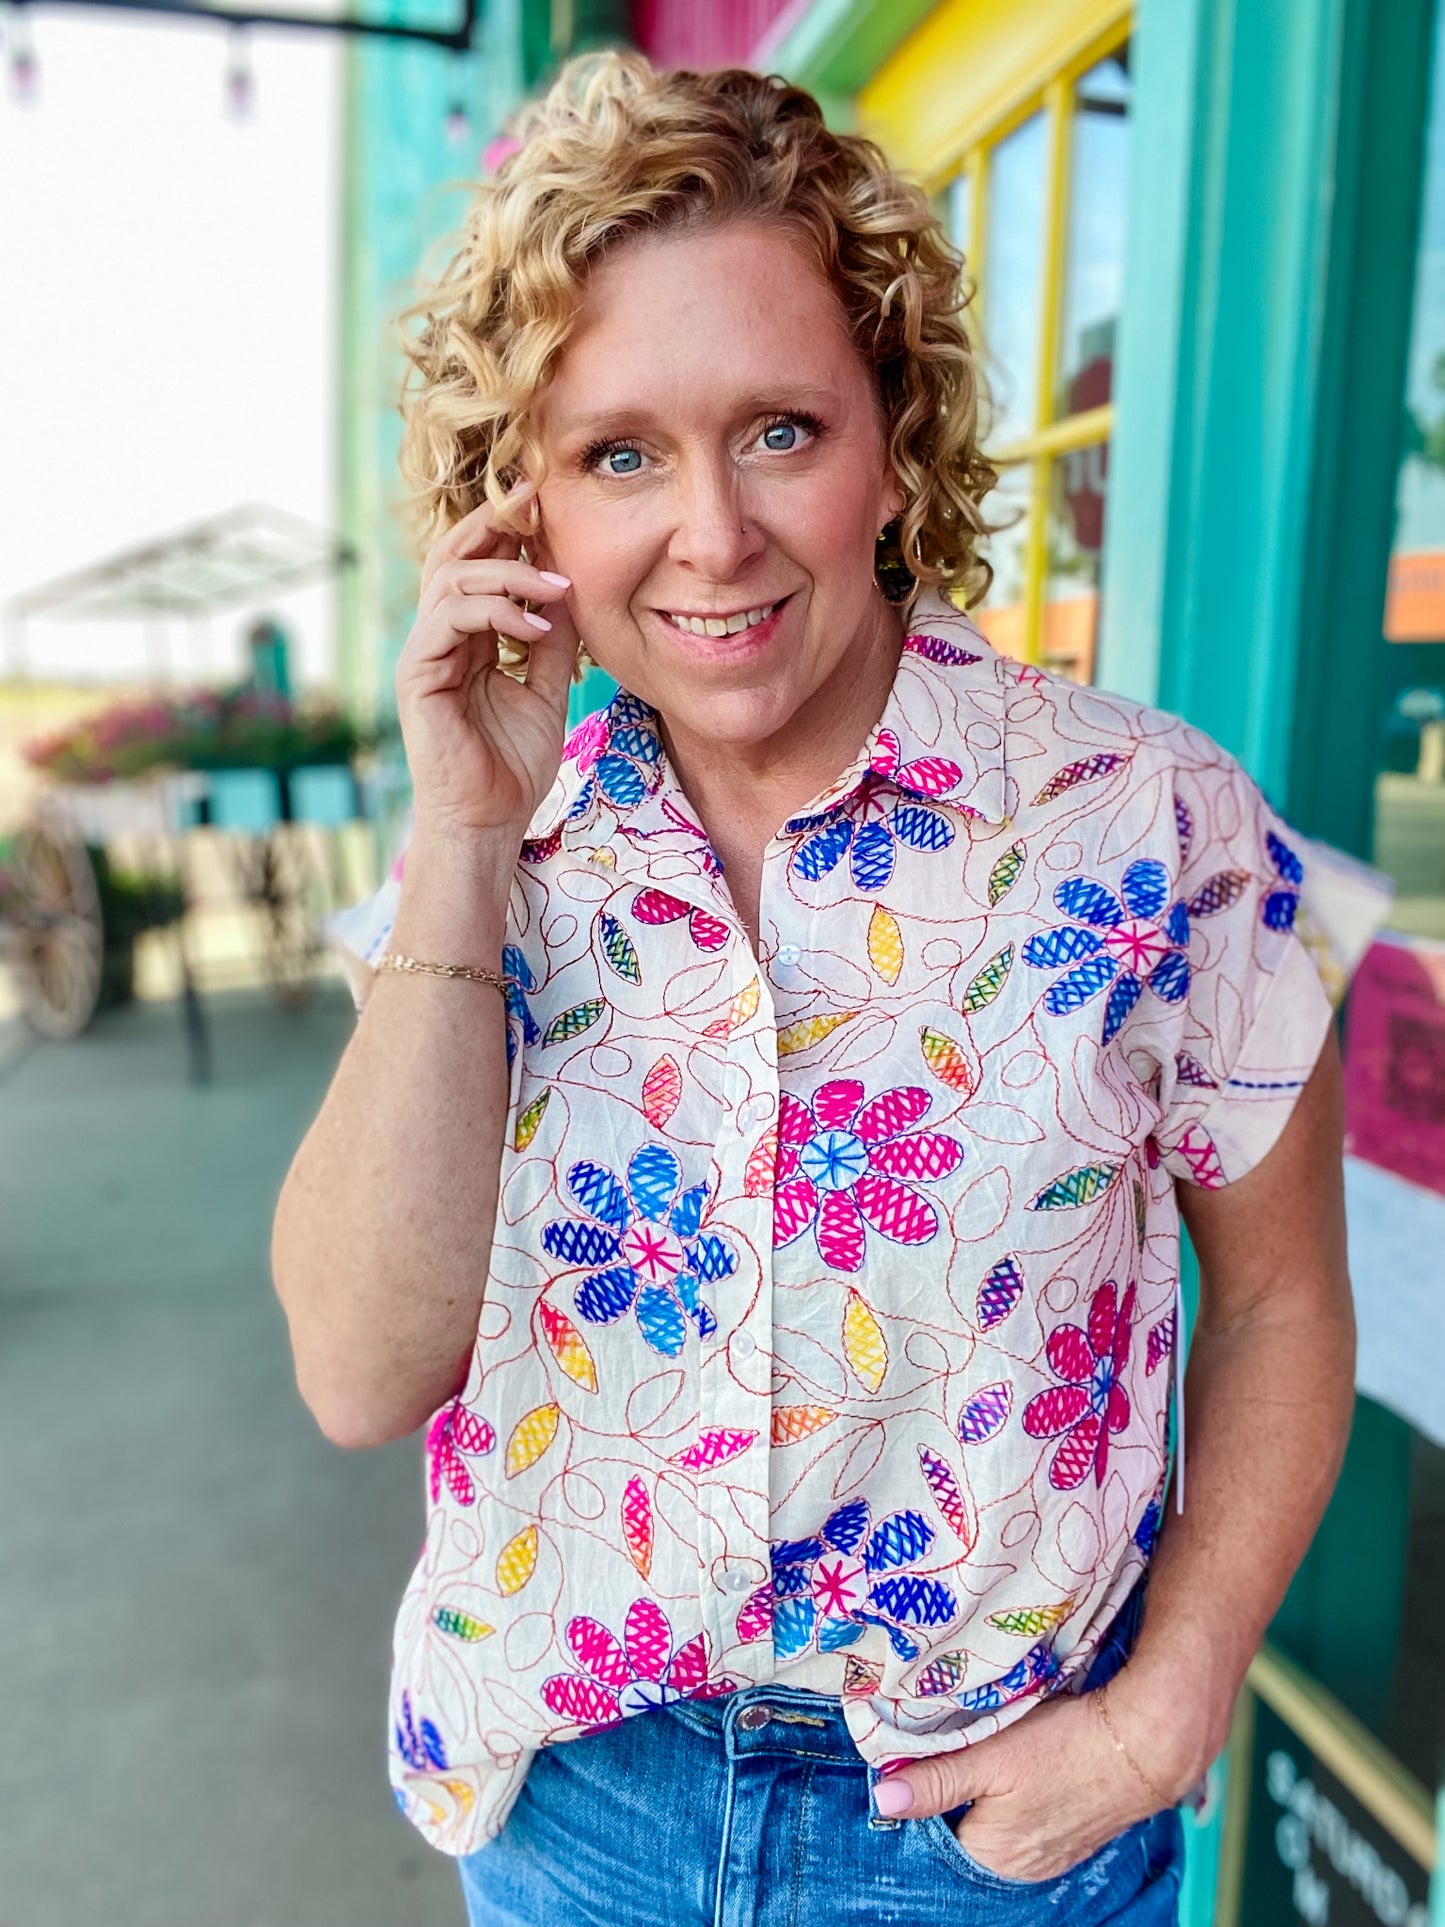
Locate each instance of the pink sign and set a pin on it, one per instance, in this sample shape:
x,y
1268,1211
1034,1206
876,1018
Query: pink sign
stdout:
x,y
1395,1060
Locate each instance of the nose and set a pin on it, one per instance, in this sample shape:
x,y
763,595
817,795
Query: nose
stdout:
x,y
713,535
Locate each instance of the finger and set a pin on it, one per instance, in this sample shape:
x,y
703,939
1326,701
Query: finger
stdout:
x,y
461,617
482,531
494,575
551,660
926,1786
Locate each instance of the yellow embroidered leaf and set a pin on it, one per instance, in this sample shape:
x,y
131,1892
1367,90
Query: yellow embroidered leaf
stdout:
x,y
449,1619
946,1060
761,1164
568,1346
464,1795
864,1345
1030,1622
793,1038
739,1010
661,1089
530,1438
885,944
794,1422
530,1119
517,1561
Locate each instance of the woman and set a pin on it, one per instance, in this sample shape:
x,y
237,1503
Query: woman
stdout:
x,y
785,1261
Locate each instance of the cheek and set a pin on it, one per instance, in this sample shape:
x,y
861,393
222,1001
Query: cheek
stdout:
x,y
601,550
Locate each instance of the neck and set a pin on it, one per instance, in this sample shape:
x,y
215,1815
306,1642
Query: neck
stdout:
x,y
747,790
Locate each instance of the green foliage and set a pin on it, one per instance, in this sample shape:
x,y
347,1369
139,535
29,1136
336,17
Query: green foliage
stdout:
x,y
205,729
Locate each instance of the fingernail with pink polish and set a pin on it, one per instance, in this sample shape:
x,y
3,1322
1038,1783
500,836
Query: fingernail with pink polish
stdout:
x,y
892,1797
562,581
537,622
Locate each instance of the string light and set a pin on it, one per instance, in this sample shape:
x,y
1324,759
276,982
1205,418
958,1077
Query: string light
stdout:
x,y
240,80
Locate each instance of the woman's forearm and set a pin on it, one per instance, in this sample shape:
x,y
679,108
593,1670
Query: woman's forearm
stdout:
x,y
383,1231
1268,1404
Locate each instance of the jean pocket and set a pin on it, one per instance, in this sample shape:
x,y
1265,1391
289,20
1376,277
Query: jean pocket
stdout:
x,y
940,1835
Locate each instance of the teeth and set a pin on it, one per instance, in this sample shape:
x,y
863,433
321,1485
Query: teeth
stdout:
x,y
723,625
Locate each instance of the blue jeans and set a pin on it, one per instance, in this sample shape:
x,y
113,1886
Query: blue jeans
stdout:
x,y
754,1811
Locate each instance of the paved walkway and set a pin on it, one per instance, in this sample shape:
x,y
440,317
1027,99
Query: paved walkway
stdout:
x,y
196,1590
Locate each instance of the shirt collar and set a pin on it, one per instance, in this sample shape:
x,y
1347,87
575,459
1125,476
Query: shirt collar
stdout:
x,y
941,739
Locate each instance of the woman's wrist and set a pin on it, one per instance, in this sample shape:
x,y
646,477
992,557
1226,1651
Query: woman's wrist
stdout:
x,y
454,896
1165,1718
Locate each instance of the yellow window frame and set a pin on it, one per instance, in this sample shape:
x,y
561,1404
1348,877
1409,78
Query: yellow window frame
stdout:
x,y
1050,89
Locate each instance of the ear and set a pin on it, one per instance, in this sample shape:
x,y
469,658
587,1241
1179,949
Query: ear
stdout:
x,y
893,500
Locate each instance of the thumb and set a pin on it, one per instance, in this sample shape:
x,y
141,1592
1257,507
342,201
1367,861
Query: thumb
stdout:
x,y
929,1786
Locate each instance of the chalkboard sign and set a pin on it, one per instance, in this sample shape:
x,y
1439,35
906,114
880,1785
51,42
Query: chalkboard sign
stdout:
x,y
1315,1855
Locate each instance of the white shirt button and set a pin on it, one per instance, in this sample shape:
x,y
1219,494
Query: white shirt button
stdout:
x,y
744,1344
737,1579
788,954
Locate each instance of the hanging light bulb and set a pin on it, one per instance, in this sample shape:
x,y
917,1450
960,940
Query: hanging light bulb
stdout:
x,y
24,69
240,80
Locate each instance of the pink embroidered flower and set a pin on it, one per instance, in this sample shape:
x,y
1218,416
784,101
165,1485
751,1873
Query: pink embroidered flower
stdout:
x,y
841,1162
1090,1405
587,741
631,1675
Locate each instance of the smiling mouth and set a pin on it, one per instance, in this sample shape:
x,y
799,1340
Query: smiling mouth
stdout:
x,y
722,625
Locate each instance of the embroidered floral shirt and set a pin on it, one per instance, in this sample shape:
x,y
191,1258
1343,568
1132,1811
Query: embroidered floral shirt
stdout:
x,y
831,1308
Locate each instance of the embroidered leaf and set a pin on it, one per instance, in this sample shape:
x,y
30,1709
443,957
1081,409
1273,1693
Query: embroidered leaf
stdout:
x,y
948,1496
1141,1212
573,1022
1218,893
1083,1186
942,1675
794,1422
1088,769
603,856
1031,1621
461,1625
530,1438
618,948
1159,1344
1005,873
861,1677
989,981
946,1060
637,1525
739,1011
755,1621
661,1089
568,1346
517,1561
713,1447
1000,1292
985,1414
937,650
864,1345
801,1036
762,1162
529,1120
1201,1154
885,944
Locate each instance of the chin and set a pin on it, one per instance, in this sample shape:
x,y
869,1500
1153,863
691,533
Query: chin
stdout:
x,y
738,718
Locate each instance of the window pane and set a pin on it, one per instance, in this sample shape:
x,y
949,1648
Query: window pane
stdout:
x,y
1410,787
1001,616
960,213
1078,490
1013,276
1094,264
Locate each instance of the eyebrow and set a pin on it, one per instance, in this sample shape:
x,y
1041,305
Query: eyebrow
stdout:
x,y
777,401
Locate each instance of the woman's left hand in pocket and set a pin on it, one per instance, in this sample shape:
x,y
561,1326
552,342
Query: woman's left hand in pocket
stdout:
x,y
1046,1792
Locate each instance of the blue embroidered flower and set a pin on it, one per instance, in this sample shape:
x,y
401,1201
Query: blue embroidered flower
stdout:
x,y
849,1576
623,756
649,1241
1124,944
871,843
1279,906
418,1741
517,974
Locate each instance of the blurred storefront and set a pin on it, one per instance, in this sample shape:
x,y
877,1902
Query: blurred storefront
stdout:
x,y
1208,239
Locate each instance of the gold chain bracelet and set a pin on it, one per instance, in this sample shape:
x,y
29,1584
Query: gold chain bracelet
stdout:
x,y
472,973
1134,1767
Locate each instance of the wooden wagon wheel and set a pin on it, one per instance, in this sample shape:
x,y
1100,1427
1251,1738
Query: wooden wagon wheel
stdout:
x,y
56,937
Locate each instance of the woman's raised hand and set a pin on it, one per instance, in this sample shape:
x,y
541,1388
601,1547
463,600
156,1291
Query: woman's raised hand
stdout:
x,y
484,747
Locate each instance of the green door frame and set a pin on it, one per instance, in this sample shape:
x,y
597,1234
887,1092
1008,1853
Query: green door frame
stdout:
x,y
1272,230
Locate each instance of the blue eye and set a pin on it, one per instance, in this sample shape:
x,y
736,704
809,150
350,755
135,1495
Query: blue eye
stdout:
x,y
624,461
781,436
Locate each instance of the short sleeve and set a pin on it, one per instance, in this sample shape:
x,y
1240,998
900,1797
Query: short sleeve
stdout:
x,y
1255,1013
360,933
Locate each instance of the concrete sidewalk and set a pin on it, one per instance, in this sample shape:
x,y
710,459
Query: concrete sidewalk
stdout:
x,y
196,1590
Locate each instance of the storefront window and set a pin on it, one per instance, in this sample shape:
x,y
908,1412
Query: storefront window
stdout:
x,y
1094,273
1049,193
1410,786
1013,289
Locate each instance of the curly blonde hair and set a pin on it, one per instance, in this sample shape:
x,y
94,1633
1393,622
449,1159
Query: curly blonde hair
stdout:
x,y
616,150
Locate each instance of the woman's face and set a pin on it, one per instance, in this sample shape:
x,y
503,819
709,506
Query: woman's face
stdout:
x,y
713,455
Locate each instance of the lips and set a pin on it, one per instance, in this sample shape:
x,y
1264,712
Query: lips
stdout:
x,y
724,623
